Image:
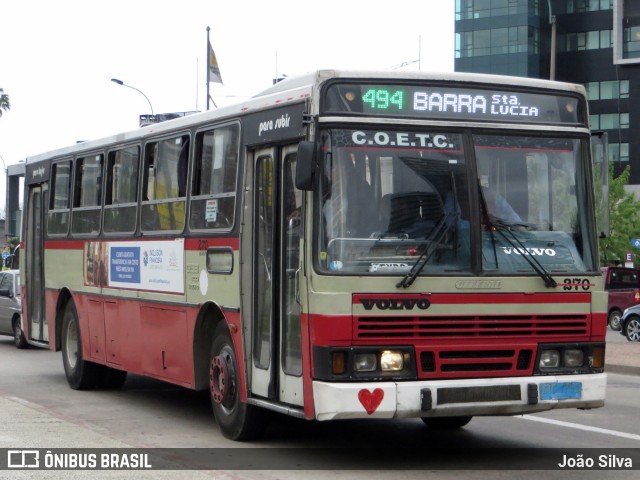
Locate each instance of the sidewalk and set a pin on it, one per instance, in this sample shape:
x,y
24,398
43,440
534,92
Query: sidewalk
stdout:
x,y
622,356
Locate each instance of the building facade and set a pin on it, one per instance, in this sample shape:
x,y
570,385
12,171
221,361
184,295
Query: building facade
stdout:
x,y
592,42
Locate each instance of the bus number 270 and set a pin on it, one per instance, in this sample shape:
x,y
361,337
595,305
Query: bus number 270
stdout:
x,y
576,284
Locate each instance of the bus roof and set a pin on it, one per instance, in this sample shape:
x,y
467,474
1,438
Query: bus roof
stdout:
x,y
320,76
297,89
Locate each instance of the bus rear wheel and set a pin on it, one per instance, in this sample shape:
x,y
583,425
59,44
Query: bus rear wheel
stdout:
x,y
19,339
446,423
81,374
237,420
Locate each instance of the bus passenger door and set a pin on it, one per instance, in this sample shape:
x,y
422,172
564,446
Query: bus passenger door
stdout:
x,y
36,321
277,345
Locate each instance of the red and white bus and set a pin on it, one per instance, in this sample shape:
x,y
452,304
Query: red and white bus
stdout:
x,y
342,245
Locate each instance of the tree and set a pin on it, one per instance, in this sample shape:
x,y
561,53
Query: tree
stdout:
x,y
624,220
5,104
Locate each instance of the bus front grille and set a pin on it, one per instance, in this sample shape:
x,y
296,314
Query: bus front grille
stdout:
x,y
443,362
480,326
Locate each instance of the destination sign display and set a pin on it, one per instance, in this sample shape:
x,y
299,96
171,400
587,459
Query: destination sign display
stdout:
x,y
452,103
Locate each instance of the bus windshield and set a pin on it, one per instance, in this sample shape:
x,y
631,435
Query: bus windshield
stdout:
x,y
390,200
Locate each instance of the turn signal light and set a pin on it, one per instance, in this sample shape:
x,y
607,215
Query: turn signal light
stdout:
x,y
597,361
338,363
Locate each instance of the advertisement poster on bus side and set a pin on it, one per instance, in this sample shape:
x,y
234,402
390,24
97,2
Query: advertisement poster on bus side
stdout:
x,y
155,266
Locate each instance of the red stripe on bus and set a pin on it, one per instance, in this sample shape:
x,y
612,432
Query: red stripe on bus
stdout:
x,y
199,243
191,244
64,244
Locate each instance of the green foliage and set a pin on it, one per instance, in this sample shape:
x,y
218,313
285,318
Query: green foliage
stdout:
x,y
13,243
5,104
624,220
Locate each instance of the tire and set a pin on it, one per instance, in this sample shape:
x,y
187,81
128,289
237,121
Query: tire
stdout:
x,y
81,374
614,320
632,329
237,420
19,339
446,423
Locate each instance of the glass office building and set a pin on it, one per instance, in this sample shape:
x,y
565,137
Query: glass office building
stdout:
x,y
592,42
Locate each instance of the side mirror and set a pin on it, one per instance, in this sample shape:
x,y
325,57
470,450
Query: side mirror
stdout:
x,y
305,165
600,170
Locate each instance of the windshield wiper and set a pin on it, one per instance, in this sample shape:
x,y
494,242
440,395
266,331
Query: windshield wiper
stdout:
x,y
431,244
514,241
499,226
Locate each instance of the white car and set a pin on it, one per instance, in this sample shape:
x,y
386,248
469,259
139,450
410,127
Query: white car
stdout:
x,y
10,307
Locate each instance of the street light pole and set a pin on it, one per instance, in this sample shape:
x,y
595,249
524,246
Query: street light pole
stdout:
x,y
6,176
120,82
552,63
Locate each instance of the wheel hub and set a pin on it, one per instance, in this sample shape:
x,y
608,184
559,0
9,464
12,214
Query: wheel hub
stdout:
x,y
219,379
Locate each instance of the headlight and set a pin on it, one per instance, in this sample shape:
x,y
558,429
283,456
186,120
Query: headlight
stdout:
x,y
570,358
365,362
549,359
391,361
573,358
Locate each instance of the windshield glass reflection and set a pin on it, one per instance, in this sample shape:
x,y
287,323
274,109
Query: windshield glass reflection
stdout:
x,y
404,203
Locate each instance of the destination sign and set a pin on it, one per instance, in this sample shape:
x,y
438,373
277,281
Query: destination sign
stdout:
x,y
452,103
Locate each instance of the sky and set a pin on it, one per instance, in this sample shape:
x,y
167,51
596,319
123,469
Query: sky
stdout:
x,y
57,57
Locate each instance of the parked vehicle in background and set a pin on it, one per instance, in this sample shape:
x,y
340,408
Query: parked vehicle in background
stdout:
x,y
10,307
630,323
623,285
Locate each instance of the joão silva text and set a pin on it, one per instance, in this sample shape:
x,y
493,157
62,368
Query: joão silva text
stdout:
x,y
604,461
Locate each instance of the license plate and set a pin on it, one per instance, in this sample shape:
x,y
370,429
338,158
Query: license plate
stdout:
x,y
560,391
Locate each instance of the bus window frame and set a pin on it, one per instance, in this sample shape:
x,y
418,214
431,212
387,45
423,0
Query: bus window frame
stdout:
x,y
52,193
196,163
77,191
169,201
108,184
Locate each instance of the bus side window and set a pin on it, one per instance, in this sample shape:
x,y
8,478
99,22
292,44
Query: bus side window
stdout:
x,y
214,180
60,199
121,190
163,206
87,196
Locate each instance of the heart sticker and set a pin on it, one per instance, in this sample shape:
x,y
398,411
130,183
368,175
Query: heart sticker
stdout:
x,y
370,401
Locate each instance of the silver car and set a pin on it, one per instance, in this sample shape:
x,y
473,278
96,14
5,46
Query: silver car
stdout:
x,y
630,323
10,307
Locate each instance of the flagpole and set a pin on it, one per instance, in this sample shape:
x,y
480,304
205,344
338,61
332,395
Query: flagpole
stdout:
x,y
197,81
208,66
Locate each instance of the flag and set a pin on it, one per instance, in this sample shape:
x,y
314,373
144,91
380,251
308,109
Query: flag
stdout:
x,y
214,70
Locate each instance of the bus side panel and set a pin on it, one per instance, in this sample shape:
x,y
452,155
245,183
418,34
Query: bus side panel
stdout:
x,y
307,367
139,337
51,311
123,334
166,343
95,320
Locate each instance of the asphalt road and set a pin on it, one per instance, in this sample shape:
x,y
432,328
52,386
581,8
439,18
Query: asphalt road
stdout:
x,y
39,410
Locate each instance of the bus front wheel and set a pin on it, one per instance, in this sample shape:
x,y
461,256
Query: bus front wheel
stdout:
x,y
237,420
81,374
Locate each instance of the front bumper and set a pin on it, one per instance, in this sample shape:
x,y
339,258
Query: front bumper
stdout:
x,y
449,398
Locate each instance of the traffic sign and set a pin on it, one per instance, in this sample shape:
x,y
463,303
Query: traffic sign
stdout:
x,y
635,242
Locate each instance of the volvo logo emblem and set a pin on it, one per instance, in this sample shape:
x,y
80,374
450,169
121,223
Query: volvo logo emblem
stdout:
x,y
395,303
